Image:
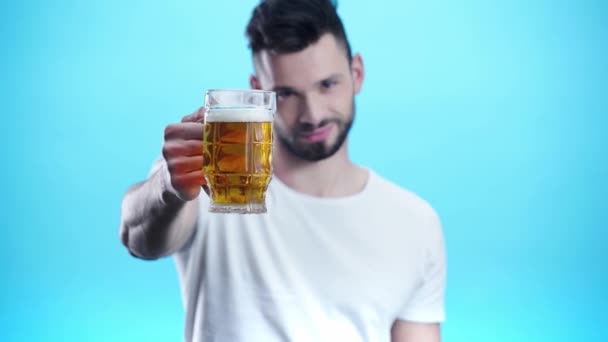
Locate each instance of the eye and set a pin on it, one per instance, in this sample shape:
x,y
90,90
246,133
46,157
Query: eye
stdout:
x,y
328,84
284,94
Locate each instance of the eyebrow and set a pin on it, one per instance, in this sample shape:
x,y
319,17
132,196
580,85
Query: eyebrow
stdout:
x,y
285,89
281,88
335,76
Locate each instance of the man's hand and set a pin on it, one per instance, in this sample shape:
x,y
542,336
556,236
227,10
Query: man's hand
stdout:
x,y
183,152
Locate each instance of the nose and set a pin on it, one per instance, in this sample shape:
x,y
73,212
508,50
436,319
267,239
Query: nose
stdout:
x,y
312,110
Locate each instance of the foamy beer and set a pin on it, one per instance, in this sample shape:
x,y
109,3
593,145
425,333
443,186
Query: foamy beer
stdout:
x,y
237,149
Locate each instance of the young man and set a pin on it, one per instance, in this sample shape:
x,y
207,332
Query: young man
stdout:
x,y
342,254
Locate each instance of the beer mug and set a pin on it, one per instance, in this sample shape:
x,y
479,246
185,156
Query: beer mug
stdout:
x,y
237,149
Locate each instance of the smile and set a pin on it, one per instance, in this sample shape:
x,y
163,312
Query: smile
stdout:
x,y
318,134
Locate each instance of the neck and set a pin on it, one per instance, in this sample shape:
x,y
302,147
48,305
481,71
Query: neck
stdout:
x,y
335,176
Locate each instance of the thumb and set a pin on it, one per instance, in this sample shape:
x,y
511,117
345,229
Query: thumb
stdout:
x,y
197,116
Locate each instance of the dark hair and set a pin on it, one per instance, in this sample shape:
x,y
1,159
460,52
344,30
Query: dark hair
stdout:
x,y
285,26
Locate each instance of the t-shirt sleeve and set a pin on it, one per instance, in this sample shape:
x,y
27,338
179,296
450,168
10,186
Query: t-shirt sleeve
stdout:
x,y
161,165
427,302
158,163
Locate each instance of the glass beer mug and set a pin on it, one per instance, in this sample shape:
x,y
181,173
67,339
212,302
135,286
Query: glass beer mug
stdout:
x,y
237,149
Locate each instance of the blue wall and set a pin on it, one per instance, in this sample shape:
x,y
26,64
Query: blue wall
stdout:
x,y
496,112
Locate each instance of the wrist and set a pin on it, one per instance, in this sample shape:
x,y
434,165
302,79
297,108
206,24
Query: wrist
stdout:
x,y
168,194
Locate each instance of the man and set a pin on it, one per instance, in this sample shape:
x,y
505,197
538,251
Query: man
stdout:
x,y
341,255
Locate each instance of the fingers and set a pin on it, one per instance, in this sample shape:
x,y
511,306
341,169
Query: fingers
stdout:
x,y
197,116
183,152
184,165
184,131
188,185
184,148
188,180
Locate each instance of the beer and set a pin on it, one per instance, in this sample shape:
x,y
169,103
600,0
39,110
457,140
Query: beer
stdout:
x,y
237,152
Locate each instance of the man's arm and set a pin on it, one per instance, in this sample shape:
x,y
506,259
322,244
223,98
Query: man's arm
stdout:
x,y
155,222
420,319
406,331
159,215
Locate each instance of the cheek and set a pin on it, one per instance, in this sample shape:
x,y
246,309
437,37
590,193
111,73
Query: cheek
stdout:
x,y
282,120
342,101
286,112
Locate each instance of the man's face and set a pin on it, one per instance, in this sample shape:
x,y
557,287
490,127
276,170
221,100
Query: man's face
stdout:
x,y
315,96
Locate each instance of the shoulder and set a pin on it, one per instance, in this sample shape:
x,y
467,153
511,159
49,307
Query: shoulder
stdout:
x,y
403,205
395,194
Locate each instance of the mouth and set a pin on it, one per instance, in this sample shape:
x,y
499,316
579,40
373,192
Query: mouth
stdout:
x,y
318,134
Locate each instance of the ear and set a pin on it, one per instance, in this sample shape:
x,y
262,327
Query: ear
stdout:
x,y
254,82
357,71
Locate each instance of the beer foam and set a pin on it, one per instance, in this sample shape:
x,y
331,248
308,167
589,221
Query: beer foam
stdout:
x,y
239,115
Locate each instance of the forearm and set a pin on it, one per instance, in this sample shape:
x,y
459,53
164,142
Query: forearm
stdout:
x,y
154,221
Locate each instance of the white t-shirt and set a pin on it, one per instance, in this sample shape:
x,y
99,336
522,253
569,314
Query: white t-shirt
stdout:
x,y
314,269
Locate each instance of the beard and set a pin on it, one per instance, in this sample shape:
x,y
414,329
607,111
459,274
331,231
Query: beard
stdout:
x,y
318,150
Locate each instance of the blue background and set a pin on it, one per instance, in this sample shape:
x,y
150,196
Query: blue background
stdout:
x,y
494,111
